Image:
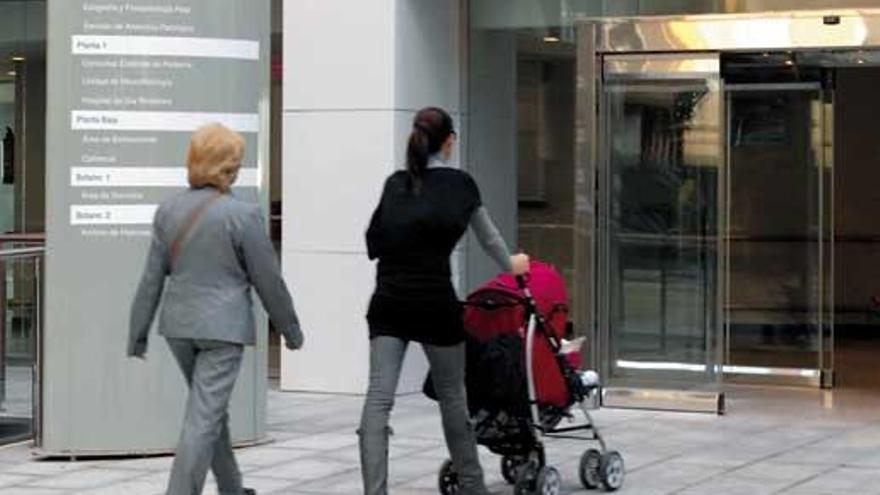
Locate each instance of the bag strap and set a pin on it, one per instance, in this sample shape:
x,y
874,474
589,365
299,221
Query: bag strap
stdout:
x,y
188,225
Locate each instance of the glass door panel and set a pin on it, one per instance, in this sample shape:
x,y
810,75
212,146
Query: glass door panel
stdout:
x,y
662,299
775,231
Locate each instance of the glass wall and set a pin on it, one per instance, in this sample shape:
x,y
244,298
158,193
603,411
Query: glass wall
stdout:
x,y
22,212
22,115
520,132
774,302
545,105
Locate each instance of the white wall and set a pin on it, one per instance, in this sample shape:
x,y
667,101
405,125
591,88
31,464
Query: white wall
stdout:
x,y
354,74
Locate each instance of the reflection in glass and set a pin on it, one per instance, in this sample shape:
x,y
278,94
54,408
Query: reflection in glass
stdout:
x,y
663,216
774,243
20,319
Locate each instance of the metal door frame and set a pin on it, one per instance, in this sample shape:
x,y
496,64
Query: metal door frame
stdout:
x,y
794,30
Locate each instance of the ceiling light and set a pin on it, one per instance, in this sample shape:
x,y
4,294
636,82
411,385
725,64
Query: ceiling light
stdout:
x,y
860,61
789,62
18,58
11,73
551,39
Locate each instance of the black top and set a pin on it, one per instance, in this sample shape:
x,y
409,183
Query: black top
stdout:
x,y
413,235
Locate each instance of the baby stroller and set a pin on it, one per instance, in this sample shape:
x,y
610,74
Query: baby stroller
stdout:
x,y
521,384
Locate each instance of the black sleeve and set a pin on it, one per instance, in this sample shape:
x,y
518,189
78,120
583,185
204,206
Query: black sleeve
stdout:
x,y
474,199
373,233
374,230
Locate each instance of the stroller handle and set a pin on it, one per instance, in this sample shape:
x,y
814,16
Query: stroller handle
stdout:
x,y
523,286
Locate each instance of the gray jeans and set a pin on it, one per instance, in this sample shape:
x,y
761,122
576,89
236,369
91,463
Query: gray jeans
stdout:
x,y
210,368
447,372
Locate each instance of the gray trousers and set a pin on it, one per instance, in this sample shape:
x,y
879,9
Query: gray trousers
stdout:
x,y
210,368
447,372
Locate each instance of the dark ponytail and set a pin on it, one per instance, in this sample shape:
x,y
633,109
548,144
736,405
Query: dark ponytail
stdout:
x,y
431,127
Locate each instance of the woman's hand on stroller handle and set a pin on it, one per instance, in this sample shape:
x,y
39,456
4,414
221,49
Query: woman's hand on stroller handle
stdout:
x,y
519,264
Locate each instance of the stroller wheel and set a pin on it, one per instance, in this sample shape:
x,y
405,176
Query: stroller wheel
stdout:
x,y
510,465
526,479
612,470
447,479
588,470
549,481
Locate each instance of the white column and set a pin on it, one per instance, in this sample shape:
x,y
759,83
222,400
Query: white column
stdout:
x,y
354,73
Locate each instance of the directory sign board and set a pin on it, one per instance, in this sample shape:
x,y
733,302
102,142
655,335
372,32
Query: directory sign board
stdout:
x,y
128,82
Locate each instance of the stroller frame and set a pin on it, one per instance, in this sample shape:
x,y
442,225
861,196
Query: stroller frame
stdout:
x,y
580,394
535,325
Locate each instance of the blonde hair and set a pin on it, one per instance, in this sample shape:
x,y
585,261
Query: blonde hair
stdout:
x,y
212,150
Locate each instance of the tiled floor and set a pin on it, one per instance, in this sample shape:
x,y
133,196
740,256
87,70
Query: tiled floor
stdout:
x,y
772,441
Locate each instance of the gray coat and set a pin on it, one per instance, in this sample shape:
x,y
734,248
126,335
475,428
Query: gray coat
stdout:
x,y
207,293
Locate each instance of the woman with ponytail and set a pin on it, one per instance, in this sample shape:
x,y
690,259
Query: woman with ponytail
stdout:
x,y
423,213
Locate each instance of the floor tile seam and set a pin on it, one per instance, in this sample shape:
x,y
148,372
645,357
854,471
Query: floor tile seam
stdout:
x,y
421,448
728,472
874,423
308,484
721,476
860,467
303,411
315,411
344,472
112,467
14,445
423,438
17,484
311,449
254,467
402,482
693,484
132,471
307,448
411,453
96,487
320,455
654,463
778,454
283,491
808,479
59,473
316,432
280,425
278,448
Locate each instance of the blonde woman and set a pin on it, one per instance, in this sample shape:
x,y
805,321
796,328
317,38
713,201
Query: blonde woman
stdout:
x,y
208,250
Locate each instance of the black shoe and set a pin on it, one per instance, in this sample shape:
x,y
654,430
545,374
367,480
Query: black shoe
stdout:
x,y
249,491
